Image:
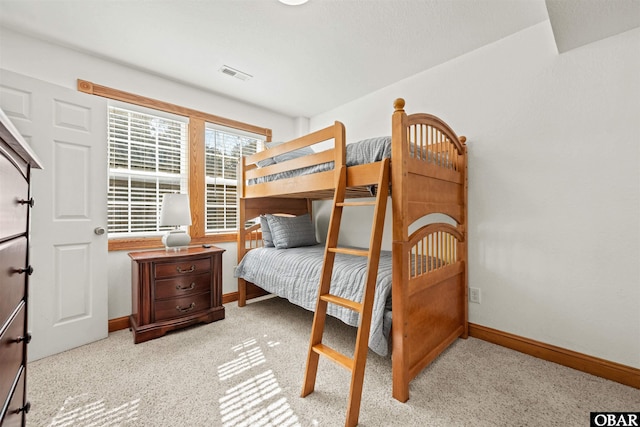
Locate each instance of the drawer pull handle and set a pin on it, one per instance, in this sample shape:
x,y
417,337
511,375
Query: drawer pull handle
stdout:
x,y
183,310
191,287
192,269
26,408
28,270
26,338
29,202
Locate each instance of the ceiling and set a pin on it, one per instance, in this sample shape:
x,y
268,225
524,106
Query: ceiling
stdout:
x,y
306,59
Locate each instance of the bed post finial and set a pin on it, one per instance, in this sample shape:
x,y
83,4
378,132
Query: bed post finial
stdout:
x,y
398,104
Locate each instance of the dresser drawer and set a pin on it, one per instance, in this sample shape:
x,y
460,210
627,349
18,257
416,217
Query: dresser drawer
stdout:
x,y
13,416
12,284
13,215
179,307
11,353
183,286
190,266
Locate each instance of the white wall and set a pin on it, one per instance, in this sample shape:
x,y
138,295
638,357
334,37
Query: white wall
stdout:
x,y
63,67
554,182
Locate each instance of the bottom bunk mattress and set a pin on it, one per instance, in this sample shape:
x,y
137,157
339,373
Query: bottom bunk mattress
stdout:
x,y
294,274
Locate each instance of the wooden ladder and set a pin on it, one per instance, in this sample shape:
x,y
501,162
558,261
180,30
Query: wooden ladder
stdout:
x,y
316,348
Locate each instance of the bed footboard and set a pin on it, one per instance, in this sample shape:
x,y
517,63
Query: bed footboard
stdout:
x,y
429,300
317,185
251,239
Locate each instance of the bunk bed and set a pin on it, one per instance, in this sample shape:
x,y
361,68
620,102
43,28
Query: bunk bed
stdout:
x,y
428,265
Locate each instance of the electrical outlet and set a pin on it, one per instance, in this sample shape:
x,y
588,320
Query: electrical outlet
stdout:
x,y
474,295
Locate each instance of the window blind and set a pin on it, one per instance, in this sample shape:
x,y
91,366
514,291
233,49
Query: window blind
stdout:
x,y
147,158
223,149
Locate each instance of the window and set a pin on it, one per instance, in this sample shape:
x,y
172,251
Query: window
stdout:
x,y
147,158
156,147
223,149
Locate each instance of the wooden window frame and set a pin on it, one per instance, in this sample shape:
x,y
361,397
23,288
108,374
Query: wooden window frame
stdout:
x,y
195,149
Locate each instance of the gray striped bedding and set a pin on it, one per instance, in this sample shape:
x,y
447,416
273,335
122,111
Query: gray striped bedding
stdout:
x,y
294,274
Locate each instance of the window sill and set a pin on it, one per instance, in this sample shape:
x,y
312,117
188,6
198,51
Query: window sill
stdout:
x,y
128,244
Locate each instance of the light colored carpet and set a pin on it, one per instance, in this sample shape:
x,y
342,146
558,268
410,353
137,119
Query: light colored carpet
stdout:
x,y
247,370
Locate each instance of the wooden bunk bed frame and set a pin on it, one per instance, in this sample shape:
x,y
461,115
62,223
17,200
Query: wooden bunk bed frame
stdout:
x,y
428,175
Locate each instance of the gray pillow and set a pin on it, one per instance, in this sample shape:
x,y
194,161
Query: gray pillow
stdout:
x,y
292,232
267,239
304,151
266,162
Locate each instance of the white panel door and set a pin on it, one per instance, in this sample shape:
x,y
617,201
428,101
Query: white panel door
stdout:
x,y
68,289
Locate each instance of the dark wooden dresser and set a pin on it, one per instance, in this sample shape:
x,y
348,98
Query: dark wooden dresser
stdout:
x,y
171,290
16,161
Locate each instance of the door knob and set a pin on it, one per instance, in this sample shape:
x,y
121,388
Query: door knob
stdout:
x,y
99,231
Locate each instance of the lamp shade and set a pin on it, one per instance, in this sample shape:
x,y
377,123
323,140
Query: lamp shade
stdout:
x,y
175,210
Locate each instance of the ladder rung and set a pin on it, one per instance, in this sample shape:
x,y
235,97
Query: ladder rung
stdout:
x,y
348,251
343,302
372,203
330,353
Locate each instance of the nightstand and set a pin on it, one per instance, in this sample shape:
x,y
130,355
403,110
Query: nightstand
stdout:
x,y
174,289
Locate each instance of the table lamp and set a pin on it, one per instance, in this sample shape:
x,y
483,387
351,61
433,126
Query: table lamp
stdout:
x,y
175,212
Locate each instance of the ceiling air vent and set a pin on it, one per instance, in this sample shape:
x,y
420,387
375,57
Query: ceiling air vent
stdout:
x,y
234,73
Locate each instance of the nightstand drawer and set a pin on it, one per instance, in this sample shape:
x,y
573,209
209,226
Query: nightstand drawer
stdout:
x,y
13,255
190,267
12,352
183,286
179,307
